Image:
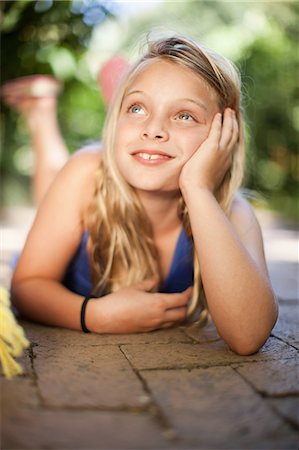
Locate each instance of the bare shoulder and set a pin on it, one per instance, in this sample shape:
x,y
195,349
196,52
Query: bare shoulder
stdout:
x,y
78,174
74,185
242,216
85,160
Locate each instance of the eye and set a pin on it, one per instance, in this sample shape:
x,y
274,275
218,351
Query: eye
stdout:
x,y
136,109
185,117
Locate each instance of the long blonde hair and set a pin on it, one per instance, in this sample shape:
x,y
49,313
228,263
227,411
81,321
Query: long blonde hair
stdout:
x,y
121,247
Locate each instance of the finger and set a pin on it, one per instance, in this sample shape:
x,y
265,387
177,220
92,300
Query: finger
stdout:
x,y
177,299
175,314
235,134
146,285
215,130
168,325
227,129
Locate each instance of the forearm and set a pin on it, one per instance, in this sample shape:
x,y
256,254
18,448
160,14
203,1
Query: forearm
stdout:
x,y
48,302
46,137
239,295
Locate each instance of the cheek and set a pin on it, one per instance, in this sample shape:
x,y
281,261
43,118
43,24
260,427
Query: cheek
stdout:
x,y
121,136
194,141
125,132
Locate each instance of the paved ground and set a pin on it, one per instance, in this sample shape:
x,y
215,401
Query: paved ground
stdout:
x,y
177,389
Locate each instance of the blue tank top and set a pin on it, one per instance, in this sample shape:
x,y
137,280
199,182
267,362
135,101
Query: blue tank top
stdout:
x,y
179,278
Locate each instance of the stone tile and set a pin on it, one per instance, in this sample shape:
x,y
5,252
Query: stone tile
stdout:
x,y
287,407
215,408
56,429
18,393
287,326
278,377
160,356
47,336
208,333
84,377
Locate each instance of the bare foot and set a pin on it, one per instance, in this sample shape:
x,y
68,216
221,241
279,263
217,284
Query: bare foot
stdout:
x,y
33,86
34,97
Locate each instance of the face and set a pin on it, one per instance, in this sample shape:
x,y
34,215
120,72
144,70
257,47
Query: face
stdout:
x,y
166,114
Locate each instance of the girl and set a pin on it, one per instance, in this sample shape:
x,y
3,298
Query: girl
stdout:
x,y
153,224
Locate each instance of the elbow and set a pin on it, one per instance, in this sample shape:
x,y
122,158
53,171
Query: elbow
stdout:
x,y
248,346
246,349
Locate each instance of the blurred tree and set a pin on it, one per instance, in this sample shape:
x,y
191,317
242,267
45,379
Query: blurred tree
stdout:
x,y
49,37
270,68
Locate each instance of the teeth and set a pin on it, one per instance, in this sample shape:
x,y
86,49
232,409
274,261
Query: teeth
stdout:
x,y
144,155
148,156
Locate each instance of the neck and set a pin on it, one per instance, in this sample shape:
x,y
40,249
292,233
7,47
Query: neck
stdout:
x,y
161,210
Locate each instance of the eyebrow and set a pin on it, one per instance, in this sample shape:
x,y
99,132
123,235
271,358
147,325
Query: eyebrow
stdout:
x,y
197,102
191,100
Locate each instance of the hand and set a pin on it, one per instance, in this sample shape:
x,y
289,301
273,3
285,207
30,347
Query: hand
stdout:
x,y
208,165
134,309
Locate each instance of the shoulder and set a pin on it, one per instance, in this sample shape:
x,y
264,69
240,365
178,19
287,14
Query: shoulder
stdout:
x,y
244,221
84,160
80,169
242,216
74,185
248,229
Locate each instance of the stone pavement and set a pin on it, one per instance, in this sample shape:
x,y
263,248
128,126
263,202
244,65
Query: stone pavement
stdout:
x,y
175,389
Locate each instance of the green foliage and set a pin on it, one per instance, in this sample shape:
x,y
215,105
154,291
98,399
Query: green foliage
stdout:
x,y
261,37
268,68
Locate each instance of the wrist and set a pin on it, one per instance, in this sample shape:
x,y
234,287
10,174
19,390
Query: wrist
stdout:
x,y
191,190
87,315
97,317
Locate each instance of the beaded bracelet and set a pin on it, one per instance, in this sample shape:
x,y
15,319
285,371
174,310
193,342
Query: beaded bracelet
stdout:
x,y
82,315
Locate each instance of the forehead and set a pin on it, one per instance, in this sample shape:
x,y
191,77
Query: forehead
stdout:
x,y
163,76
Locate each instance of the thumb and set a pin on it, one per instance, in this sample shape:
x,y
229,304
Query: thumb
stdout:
x,y
147,285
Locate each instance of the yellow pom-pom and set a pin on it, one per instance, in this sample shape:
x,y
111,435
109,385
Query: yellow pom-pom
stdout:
x,y
12,337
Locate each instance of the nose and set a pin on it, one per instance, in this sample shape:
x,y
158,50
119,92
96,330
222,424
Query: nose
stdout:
x,y
154,130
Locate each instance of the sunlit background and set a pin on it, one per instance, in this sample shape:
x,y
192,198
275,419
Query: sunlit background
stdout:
x,y
72,39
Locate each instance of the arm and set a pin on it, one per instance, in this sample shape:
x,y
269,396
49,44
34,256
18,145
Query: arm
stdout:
x,y
230,249
37,290
55,235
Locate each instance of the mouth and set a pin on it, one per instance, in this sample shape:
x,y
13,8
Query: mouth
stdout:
x,y
151,156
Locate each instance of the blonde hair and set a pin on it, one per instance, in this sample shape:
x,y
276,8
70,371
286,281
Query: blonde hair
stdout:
x,y
121,247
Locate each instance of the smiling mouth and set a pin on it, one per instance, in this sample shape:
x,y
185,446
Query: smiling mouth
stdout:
x,y
151,156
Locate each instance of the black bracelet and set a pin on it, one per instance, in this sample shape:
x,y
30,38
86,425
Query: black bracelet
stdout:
x,y
82,316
